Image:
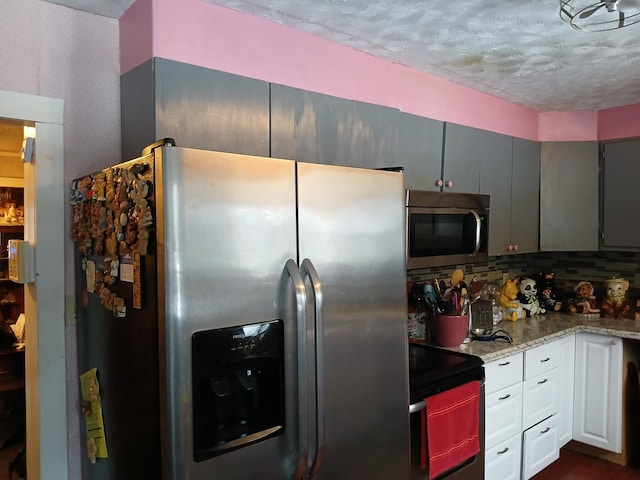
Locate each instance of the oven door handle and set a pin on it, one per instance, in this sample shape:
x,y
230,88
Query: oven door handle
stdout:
x,y
417,407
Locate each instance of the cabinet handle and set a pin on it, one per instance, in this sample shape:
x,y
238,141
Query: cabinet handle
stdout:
x,y
613,342
515,247
505,450
504,364
545,430
439,183
543,381
448,183
545,360
505,397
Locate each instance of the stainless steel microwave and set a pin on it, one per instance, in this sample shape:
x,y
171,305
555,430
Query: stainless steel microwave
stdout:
x,y
446,228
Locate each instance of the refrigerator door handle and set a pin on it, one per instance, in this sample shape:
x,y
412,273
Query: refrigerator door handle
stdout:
x,y
316,454
303,411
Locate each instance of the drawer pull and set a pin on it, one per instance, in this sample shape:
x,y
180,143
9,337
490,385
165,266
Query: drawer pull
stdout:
x,y
543,381
545,430
504,364
545,360
505,397
505,450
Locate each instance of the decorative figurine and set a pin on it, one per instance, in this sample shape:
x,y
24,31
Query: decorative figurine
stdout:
x,y
528,296
509,301
548,293
616,304
585,300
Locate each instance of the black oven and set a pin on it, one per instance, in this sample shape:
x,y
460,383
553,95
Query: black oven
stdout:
x,y
434,370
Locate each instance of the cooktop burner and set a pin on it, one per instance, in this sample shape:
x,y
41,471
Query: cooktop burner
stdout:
x,y
433,369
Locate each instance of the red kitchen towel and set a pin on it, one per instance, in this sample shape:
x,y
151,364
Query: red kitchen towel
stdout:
x,y
450,428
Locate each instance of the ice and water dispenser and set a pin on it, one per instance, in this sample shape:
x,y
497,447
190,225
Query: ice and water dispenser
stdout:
x,y
238,387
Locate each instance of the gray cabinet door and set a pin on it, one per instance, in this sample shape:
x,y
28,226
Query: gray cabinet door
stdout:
x,y
315,128
495,180
569,176
621,195
211,110
310,127
525,195
465,150
420,151
198,107
479,161
474,157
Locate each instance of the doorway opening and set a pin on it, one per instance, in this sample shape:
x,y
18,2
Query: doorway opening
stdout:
x,y
44,298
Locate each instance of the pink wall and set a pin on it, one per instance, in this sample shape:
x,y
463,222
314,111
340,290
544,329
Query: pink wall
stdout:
x,y
206,35
567,126
621,122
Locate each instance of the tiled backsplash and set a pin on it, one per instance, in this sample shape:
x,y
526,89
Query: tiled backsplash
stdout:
x,y
569,269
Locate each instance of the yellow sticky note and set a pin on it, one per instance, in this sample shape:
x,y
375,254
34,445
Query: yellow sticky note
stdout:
x,y
92,410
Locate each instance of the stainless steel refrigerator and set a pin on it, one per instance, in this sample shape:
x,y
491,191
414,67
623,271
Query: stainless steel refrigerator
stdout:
x,y
261,332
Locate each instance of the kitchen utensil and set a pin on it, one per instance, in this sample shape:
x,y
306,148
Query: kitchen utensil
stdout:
x,y
481,317
457,277
449,330
495,336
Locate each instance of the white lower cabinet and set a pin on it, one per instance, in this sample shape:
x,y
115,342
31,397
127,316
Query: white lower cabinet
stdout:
x,y
524,410
541,397
503,414
540,446
566,376
540,410
503,418
502,461
597,414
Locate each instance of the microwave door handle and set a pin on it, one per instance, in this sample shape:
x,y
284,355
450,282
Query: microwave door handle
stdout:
x,y
291,268
478,229
317,450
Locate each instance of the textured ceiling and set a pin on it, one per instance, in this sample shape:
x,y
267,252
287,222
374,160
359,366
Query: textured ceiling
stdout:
x,y
517,50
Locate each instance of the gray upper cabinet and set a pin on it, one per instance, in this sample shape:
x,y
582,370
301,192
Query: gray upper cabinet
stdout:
x,y
620,195
420,151
525,196
310,127
507,169
569,179
198,107
465,150
316,128
495,180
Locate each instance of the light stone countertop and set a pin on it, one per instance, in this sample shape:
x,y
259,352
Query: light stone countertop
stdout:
x,y
541,329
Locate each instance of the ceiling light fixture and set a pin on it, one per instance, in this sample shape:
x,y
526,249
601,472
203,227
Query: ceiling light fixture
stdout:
x,y
592,17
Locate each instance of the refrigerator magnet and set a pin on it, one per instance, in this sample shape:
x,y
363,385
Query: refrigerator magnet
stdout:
x,y
137,282
91,276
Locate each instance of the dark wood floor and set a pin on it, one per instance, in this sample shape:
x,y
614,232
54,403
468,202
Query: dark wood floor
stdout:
x,y
7,453
575,466
570,466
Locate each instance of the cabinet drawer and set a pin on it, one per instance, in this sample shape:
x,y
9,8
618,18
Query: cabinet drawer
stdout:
x,y
503,414
540,398
502,462
503,372
540,447
540,359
